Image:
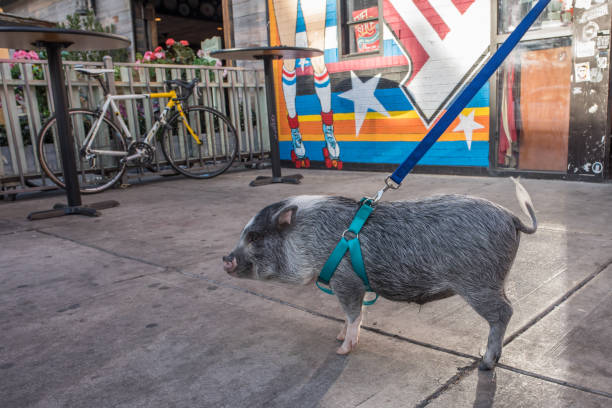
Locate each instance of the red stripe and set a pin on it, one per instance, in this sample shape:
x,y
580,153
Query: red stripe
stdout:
x,y
322,77
433,17
288,74
406,37
463,5
356,65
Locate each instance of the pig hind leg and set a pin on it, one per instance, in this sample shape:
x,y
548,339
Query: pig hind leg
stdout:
x,y
351,299
495,308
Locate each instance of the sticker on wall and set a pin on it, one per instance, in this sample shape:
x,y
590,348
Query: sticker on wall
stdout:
x,y
585,49
582,72
582,4
596,75
597,167
594,13
603,42
602,61
589,31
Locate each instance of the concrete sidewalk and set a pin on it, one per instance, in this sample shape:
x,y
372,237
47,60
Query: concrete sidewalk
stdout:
x,y
132,309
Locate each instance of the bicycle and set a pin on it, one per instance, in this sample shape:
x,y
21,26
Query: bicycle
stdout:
x,y
104,145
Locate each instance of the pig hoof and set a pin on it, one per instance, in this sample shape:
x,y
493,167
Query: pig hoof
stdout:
x,y
348,346
343,350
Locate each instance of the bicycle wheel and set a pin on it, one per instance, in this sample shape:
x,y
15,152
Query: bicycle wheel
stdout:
x,y
213,156
95,173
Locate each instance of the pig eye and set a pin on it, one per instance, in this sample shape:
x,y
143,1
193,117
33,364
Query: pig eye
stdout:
x,y
254,236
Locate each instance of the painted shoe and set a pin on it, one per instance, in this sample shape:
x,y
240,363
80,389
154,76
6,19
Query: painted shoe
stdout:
x,y
303,162
331,153
298,154
332,146
330,162
298,146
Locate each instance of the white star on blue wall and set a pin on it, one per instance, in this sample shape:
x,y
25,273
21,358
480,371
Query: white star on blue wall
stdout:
x,y
362,95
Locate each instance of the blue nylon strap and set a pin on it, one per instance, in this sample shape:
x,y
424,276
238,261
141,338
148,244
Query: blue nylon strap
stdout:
x,y
468,93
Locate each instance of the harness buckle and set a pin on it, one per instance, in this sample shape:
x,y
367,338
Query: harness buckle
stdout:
x,y
352,235
389,184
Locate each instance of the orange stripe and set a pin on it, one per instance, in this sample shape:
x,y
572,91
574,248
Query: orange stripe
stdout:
x,y
381,127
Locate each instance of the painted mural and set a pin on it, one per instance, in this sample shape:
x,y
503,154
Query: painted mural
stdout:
x,y
381,84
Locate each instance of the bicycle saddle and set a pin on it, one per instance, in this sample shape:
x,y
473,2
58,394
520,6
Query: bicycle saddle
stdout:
x,y
183,84
92,71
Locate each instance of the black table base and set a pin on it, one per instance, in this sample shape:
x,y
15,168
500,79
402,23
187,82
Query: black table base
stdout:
x,y
59,210
264,180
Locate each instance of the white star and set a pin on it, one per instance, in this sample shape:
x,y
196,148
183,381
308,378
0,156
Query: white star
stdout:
x,y
302,63
467,124
362,95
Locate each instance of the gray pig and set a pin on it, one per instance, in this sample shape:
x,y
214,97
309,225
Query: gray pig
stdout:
x,y
413,251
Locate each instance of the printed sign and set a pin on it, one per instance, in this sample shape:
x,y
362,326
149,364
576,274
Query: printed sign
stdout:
x,y
585,49
603,41
367,34
582,72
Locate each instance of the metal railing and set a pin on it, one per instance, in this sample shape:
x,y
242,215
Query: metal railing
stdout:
x,y
26,103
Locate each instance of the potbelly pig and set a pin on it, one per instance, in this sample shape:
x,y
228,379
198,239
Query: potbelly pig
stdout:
x,y
413,251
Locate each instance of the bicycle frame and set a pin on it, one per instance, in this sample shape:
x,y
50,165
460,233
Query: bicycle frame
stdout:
x,y
110,103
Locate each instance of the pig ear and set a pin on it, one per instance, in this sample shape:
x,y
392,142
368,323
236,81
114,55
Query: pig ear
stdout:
x,y
285,217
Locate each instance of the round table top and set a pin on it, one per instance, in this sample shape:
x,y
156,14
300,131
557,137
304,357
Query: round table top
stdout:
x,y
256,53
27,37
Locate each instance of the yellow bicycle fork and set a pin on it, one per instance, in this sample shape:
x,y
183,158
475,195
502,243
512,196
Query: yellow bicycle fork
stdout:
x,y
172,102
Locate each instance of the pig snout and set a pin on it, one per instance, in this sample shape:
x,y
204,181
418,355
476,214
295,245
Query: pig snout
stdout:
x,y
229,263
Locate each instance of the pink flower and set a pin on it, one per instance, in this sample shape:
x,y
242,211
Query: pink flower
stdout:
x,y
158,49
138,61
159,55
201,53
170,42
185,43
33,55
148,56
20,54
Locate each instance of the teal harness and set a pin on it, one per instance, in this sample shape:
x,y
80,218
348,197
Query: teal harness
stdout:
x,y
352,245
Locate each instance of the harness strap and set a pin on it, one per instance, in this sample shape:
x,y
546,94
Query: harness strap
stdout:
x,y
354,248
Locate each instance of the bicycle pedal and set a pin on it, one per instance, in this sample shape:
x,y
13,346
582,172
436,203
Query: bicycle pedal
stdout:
x,y
124,186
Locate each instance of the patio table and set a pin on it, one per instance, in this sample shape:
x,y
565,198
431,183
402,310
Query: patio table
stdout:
x,y
268,54
54,40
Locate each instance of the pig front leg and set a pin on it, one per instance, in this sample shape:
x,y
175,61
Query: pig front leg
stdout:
x,y
351,337
350,294
342,335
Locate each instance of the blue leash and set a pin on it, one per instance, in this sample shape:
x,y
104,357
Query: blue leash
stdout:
x,y
395,180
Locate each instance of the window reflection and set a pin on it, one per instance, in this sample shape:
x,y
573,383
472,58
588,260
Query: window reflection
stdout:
x,y
511,12
533,108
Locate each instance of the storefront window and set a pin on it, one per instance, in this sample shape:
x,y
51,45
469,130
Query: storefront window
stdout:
x,y
534,106
511,12
361,29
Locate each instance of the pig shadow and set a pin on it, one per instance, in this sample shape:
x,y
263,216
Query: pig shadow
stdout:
x,y
317,386
485,390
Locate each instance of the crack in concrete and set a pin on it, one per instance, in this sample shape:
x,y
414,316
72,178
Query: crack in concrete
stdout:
x,y
455,379
462,372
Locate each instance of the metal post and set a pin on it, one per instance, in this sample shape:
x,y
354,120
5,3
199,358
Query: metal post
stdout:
x,y
273,133
272,122
64,127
